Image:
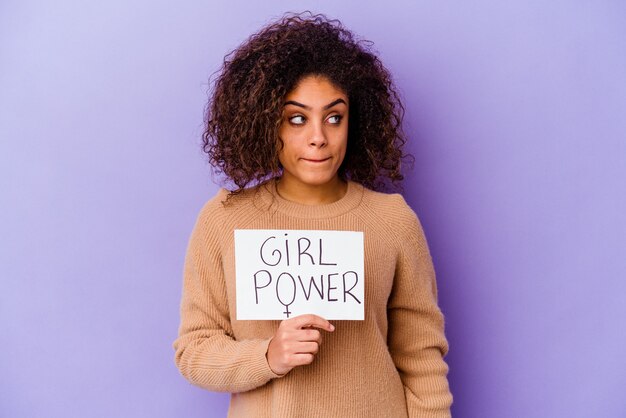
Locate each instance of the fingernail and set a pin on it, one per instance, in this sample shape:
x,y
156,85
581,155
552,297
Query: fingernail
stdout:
x,y
332,327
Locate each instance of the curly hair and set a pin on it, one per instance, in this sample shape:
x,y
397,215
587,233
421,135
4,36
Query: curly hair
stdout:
x,y
244,113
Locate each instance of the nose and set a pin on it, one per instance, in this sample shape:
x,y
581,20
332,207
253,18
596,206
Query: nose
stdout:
x,y
318,136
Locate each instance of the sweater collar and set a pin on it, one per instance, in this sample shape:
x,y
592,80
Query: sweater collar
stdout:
x,y
274,201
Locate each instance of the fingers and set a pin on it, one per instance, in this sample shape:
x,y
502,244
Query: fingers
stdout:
x,y
296,342
301,335
306,348
311,320
309,334
302,359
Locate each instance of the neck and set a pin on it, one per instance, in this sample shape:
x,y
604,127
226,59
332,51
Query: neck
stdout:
x,y
308,194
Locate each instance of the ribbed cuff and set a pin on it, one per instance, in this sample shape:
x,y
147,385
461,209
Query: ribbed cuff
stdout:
x,y
262,366
418,409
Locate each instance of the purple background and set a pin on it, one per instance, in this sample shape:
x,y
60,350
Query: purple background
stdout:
x,y
516,114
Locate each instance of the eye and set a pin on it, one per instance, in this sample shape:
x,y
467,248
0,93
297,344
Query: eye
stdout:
x,y
291,119
339,117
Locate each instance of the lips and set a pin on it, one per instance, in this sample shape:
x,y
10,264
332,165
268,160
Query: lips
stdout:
x,y
316,160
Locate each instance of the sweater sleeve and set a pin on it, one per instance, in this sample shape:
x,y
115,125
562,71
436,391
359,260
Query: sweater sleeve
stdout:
x,y
416,338
206,352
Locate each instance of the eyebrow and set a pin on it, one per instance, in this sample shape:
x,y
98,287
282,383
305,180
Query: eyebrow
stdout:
x,y
329,105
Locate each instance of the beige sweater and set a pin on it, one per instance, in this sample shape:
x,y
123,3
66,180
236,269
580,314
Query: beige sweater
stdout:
x,y
388,365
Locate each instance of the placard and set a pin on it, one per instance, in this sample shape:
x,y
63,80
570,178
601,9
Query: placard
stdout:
x,y
285,273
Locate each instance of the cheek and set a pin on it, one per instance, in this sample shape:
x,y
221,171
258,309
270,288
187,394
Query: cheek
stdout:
x,y
281,153
286,151
343,150
344,142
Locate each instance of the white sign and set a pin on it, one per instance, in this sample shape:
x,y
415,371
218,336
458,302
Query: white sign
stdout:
x,y
285,273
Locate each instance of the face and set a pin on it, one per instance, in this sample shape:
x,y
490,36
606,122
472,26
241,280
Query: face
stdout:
x,y
314,131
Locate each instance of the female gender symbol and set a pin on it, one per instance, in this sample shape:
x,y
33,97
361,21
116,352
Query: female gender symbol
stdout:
x,y
293,283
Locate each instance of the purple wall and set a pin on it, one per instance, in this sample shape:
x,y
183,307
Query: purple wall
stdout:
x,y
516,114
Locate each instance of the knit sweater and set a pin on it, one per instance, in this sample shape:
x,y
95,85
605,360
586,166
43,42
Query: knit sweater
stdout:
x,y
391,364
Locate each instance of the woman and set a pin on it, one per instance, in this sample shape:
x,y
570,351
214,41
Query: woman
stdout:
x,y
305,123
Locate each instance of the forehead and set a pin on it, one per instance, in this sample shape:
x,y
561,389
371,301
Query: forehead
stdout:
x,y
316,88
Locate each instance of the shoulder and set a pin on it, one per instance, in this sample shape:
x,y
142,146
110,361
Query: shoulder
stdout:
x,y
391,208
212,221
223,209
213,207
394,218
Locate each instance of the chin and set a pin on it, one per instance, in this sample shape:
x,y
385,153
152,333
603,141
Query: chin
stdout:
x,y
317,179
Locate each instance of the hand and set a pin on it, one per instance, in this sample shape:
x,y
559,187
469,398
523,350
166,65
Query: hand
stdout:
x,y
295,342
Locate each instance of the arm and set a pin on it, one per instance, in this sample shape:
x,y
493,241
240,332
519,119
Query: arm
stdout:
x,y
206,352
416,338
